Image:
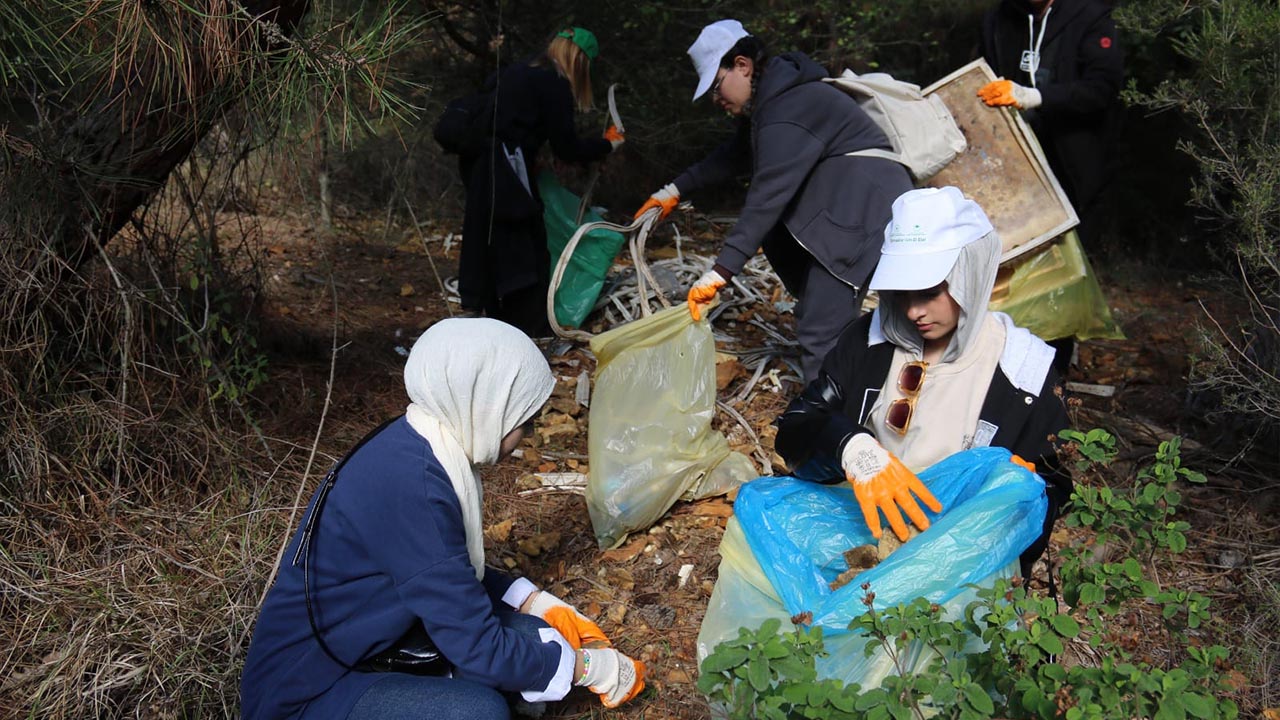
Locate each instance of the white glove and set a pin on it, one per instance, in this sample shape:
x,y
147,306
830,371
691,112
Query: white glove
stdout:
x,y
1027,98
613,676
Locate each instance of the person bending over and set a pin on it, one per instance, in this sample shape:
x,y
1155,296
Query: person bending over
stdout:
x,y
816,210
504,268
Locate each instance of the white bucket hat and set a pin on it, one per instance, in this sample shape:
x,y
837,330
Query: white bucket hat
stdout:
x,y
713,42
924,237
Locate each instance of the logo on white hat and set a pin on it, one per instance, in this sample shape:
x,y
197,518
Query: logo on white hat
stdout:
x,y
915,235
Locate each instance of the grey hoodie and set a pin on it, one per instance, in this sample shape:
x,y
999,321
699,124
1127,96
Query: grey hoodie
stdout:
x,y
835,206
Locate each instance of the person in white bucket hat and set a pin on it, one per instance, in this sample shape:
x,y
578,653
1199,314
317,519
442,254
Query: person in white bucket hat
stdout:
x,y
816,211
930,373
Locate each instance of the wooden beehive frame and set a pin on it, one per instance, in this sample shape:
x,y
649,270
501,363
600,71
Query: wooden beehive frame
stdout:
x,y
1003,169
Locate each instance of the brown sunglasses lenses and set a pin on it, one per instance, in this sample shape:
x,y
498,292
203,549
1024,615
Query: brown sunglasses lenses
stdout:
x,y
911,377
898,415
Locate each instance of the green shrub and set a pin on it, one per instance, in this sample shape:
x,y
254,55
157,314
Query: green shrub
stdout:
x,y
1026,670
1224,80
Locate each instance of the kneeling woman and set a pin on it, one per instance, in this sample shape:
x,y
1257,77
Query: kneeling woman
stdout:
x,y
930,373
394,546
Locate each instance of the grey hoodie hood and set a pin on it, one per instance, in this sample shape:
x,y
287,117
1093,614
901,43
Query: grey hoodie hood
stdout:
x,y
783,72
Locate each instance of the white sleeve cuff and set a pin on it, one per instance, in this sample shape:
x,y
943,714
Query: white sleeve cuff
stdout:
x,y
562,682
519,591
1030,99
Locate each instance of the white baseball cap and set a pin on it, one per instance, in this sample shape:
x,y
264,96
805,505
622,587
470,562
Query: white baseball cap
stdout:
x,y
713,42
924,237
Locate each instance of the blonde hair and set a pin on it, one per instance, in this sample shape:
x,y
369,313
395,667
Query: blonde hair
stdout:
x,y
574,66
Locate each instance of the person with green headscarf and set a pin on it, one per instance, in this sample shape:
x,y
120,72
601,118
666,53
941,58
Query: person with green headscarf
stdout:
x,y
504,269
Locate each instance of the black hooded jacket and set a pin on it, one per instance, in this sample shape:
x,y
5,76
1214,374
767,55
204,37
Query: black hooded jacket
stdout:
x,y
1080,75
795,144
504,247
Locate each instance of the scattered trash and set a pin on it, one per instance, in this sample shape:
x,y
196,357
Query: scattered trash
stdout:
x,y
685,571
582,391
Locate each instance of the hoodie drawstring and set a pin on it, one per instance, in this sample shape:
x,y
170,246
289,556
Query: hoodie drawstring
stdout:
x,y
1031,58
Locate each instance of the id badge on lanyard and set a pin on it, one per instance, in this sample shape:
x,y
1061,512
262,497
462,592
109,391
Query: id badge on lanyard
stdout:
x,y
1030,62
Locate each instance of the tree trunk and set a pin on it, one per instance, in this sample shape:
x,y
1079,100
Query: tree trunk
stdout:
x,y
113,156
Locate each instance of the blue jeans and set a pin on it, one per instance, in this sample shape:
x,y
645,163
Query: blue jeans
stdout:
x,y
411,697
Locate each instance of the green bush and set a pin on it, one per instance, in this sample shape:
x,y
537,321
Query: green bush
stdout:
x,y
1224,80
1026,670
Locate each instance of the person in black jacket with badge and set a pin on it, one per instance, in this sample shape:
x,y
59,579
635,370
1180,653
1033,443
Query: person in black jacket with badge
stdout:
x,y
1061,64
930,373
816,210
504,268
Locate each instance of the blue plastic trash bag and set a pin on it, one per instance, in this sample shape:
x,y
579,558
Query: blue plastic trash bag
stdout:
x,y
785,546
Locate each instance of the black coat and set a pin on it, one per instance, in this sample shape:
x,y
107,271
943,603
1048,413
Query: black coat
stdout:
x,y
795,143
816,425
504,246
1080,76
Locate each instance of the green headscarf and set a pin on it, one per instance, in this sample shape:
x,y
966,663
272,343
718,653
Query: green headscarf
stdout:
x,y
584,39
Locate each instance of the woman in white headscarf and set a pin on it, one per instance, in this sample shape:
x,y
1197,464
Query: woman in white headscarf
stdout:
x,y
389,563
930,373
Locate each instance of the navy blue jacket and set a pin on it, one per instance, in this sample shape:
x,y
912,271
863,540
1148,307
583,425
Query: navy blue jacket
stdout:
x,y
390,550
795,145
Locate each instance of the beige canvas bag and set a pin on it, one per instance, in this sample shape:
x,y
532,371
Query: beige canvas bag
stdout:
x,y
921,130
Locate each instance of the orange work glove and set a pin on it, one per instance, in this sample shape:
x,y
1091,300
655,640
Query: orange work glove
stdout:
x,y
614,137
613,676
573,625
667,198
1016,460
703,292
883,484
1004,93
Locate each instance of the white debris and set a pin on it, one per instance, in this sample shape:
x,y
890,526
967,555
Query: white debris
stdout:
x,y
685,571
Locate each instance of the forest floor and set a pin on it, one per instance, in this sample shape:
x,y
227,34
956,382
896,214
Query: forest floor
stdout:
x,y
374,289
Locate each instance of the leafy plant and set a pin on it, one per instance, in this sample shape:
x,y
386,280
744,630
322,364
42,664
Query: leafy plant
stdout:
x,y
762,674
1002,656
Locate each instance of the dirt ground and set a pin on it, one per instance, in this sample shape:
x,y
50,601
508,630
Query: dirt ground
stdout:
x,y
377,287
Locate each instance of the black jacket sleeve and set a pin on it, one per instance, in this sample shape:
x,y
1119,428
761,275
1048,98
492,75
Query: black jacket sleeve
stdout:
x,y
1099,74
557,111
813,430
729,158
787,152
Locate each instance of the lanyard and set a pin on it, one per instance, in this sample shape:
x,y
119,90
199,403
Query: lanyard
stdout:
x,y
1031,57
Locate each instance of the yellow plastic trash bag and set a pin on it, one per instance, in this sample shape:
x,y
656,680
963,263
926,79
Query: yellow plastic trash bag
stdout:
x,y
1053,293
650,438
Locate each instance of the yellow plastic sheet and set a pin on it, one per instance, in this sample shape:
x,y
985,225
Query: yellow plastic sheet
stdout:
x,y
650,438
1053,293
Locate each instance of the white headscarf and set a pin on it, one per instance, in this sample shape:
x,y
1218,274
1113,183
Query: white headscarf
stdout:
x,y
969,283
470,382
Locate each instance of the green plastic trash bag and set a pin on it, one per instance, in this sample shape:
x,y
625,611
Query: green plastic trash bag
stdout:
x,y
591,260
1053,293
650,438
